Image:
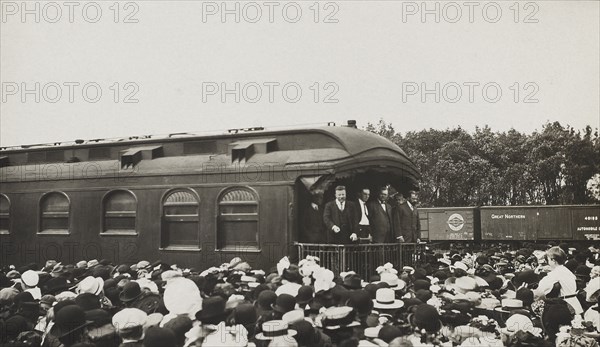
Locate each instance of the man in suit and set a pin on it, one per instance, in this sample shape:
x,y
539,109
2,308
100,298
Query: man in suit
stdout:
x,y
312,220
340,218
380,216
408,226
364,225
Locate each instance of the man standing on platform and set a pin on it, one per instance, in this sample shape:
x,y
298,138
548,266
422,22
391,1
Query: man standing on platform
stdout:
x,y
340,218
408,228
364,227
312,220
381,218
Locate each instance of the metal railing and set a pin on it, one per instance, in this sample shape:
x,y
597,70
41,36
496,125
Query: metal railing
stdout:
x,y
362,258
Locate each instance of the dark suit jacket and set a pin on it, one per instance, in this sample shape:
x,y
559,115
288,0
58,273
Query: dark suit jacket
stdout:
x,y
346,220
381,221
312,225
407,223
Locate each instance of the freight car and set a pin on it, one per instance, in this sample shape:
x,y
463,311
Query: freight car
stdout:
x,y
185,199
511,223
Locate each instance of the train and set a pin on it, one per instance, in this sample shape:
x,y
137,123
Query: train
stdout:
x,y
195,200
568,223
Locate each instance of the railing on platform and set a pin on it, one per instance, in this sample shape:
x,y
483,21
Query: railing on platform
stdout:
x,y
362,258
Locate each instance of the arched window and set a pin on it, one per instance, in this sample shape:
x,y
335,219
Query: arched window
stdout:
x,y
54,213
238,220
180,217
120,208
4,214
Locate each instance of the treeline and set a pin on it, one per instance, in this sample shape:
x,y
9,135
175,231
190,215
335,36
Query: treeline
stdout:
x,y
555,166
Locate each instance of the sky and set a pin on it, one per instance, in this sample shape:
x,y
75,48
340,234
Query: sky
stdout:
x,y
106,69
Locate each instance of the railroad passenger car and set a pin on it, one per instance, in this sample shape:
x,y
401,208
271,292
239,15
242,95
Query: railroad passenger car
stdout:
x,y
185,199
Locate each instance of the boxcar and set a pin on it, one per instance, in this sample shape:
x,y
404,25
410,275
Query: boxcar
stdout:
x,y
540,223
185,199
449,223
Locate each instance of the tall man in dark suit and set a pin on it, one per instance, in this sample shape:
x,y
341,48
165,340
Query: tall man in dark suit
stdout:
x,y
364,224
312,220
381,218
340,218
408,226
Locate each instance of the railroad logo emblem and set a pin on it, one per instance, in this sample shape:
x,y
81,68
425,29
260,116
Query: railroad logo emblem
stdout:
x,y
456,222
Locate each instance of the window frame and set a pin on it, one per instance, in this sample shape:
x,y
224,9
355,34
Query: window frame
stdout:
x,y
179,218
120,214
6,216
238,217
42,215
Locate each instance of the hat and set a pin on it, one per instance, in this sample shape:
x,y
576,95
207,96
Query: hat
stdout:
x,y
159,337
245,314
592,290
389,332
519,322
266,299
98,317
525,295
385,298
179,325
129,318
465,284
55,285
352,282
93,285
306,334
30,278
284,303
130,292
361,301
275,328
338,317
293,316
213,310
229,336
426,317
82,264
68,320
8,294
393,281
509,305
305,294
421,284
87,301
178,288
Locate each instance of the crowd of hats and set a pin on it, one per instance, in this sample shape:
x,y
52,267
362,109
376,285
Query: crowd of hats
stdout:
x,y
455,298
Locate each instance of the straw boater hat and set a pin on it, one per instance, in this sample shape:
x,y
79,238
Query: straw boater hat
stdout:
x,y
338,317
385,298
274,329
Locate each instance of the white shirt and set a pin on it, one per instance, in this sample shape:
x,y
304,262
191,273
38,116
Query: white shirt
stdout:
x,y
364,220
568,286
383,206
340,205
410,205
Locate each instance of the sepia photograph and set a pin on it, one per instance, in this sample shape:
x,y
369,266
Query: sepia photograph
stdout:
x,y
373,173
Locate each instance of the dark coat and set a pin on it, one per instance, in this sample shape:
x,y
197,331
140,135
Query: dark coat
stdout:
x,y
381,221
313,229
407,223
346,220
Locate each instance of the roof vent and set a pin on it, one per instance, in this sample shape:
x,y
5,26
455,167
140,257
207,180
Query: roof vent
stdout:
x,y
244,150
352,123
131,157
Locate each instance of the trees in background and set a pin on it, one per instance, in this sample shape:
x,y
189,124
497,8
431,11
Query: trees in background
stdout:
x,y
557,165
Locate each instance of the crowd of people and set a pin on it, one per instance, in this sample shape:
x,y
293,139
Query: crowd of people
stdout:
x,y
532,296
388,216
